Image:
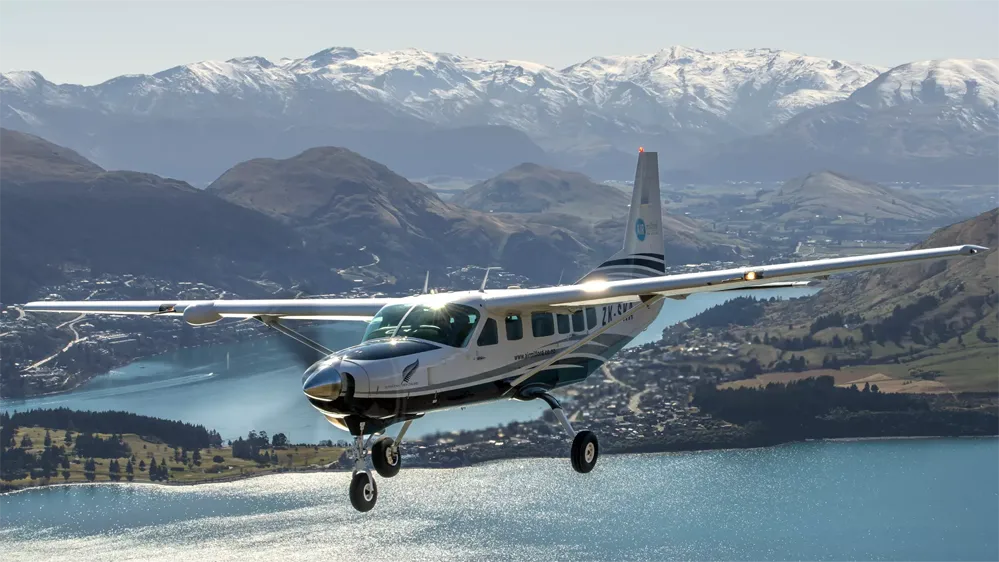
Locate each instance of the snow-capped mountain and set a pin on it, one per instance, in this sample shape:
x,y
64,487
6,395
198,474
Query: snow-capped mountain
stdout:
x,y
922,121
676,88
681,101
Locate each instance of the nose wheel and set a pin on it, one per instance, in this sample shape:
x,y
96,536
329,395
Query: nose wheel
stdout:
x,y
385,458
363,491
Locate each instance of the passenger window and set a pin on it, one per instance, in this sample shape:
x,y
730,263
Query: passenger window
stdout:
x,y
490,334
577,322
591,318
563,323
514,327
542,324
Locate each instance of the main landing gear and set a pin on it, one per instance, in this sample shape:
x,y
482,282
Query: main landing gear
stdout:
x,y
585,450
386,459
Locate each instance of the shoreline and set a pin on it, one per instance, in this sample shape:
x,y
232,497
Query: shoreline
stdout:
x,y
239,478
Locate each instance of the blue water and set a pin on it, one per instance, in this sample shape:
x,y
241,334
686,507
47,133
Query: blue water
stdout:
x,y
934,499
261,390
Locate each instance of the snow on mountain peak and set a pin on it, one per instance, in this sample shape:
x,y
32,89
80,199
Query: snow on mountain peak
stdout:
x,y
970,81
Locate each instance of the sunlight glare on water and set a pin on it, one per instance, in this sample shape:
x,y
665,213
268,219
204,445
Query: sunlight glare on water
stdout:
x,y
900,500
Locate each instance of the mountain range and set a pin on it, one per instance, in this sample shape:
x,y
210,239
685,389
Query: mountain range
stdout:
x,y
738,114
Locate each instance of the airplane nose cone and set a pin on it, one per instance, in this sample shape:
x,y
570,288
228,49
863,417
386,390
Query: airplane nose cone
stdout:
x,y
322,382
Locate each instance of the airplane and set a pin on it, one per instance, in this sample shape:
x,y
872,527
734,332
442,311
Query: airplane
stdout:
x,y
430,352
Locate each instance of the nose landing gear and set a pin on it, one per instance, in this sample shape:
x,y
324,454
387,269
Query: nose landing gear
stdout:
x,y
386,459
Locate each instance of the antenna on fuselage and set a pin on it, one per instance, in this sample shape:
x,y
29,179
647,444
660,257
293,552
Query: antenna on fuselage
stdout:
x,y
560,274
426,282
482,288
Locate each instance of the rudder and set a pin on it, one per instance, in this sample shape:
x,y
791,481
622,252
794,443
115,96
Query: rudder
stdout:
x,y
642,254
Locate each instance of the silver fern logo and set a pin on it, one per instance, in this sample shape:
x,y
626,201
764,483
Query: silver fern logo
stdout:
x,y
407,373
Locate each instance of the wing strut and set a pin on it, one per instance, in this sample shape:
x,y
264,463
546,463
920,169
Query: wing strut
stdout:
x,y
275,323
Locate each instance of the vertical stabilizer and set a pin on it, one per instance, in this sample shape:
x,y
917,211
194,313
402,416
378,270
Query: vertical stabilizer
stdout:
x,y
642,254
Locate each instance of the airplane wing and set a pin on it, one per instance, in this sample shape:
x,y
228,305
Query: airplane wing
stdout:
x,y
207,312
678,286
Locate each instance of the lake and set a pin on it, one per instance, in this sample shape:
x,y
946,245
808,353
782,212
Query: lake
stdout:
x,y
923,499
258,387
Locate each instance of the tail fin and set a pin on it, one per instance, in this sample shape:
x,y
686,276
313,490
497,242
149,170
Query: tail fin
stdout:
x,y
643,253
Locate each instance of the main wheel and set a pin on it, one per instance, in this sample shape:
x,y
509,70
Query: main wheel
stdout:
x,y
386,459
584,452
363,492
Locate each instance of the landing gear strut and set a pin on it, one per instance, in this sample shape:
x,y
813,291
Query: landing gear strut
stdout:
x,y
585,449
386,459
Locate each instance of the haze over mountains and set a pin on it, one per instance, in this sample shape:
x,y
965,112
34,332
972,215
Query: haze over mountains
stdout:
x,y
844,200
61,213
740,114
340,200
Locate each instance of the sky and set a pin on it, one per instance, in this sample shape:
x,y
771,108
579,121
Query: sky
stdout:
x,y
85,42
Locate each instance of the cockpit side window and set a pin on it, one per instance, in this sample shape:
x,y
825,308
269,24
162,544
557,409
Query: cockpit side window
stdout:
x,y
591,318
578,324
384,323
514,327
489,335
451,324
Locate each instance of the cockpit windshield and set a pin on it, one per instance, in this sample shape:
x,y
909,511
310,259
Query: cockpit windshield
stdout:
x,y
450,324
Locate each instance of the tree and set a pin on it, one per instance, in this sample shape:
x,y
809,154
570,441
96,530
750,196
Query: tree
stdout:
x,y
218,459
65,475
142,466
279,440
981,333
48,439
114,471
874,389
68,438
164,471
129,470
26,442
196,457
90,469
867,387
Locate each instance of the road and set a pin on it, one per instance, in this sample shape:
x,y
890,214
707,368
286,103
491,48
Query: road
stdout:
x,y
71,324
636,399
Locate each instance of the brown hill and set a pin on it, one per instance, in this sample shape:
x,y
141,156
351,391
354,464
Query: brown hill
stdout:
x,y
928,327
839,199
530,188
338,199
60,211
594,212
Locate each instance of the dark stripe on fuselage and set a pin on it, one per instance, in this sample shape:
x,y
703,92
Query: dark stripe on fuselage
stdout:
x,y
654,265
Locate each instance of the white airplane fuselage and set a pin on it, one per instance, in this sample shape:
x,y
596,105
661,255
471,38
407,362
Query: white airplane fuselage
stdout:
x,y
393,378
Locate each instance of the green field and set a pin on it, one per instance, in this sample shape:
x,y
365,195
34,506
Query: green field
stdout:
x,y
289,458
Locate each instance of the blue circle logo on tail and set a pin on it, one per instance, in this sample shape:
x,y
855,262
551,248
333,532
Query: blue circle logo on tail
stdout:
x,y
640,229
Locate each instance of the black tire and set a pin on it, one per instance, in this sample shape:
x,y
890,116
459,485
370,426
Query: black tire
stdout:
x,y
584,452
387,462
363,496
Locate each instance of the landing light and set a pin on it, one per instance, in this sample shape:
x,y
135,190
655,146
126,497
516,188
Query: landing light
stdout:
x,y
641,149
594,287
750,276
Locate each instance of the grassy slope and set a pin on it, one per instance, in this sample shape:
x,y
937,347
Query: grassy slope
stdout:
x,y
301,458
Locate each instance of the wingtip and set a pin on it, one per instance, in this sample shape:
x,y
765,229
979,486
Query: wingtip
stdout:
x,y
973,249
